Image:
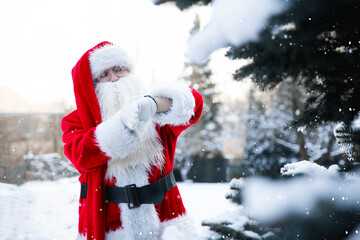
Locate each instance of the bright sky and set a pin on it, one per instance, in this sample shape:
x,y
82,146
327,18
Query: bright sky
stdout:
x,y
41,40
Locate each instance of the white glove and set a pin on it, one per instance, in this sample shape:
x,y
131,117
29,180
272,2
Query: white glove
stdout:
x,y
147,109
137,111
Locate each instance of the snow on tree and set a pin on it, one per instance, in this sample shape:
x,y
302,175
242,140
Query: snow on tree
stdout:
x,y
267,146
49,166
233,22
348,136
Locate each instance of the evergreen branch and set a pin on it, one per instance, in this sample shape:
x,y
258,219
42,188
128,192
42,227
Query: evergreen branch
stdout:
x,y
228,232
347,136
235,197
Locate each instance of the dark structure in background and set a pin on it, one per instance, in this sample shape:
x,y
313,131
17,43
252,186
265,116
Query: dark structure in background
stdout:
x,y
208,167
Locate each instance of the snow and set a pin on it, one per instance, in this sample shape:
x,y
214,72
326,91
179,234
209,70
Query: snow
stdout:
x,y
252,235
302,128
204,201
306,168
268,235
356,122
293,147
239,223
236,217
39,210
233,22
237,183
355,234
48,210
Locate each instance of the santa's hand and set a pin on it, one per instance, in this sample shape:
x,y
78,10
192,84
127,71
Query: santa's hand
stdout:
x,y
130,114
137,111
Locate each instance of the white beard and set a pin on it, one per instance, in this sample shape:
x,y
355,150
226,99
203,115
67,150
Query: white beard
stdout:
x,y
113,95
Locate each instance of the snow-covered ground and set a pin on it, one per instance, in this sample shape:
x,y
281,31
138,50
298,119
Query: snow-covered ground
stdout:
x,y
48,210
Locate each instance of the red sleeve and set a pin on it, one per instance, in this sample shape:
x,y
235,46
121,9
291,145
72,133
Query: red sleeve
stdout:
x,y
196,116
80,145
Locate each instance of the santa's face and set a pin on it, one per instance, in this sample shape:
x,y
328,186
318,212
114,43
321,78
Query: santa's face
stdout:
x,y
113,94
112,74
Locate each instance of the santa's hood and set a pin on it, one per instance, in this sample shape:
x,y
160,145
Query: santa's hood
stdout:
x,y
97,59
108,56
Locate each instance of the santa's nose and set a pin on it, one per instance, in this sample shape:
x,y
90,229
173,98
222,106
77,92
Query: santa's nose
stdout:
x,y
113,77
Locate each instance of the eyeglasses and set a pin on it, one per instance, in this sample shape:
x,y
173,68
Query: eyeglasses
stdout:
x,y
112,74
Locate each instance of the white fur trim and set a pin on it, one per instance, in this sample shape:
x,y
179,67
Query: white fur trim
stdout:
x,y
183,104
139,223
115,139
149,153
179,228
108,56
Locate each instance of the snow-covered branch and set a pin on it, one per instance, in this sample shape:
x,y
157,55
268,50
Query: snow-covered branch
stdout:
x,y
233,22
320,197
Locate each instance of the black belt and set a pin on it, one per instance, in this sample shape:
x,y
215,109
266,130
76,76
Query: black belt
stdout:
x,y
134,196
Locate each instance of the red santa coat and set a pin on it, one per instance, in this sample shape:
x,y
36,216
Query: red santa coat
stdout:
x,y
84,150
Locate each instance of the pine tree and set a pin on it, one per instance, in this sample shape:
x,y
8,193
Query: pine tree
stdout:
x,y
202,140
318,48
267,145
315,144
270,144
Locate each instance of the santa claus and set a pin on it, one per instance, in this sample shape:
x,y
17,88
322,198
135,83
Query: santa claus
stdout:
x,y
122,142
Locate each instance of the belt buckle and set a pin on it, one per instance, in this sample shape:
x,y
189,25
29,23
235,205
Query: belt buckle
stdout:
x,y
133,189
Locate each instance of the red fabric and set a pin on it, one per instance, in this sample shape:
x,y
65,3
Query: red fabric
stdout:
x,y
172,205
96,216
